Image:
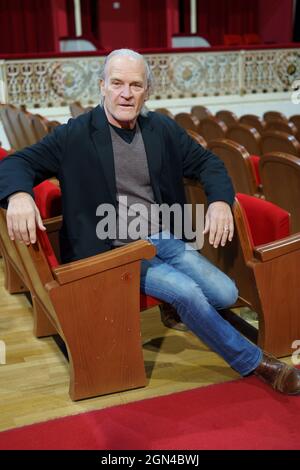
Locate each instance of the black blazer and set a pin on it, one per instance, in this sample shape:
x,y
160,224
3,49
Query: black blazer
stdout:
x,y
80,155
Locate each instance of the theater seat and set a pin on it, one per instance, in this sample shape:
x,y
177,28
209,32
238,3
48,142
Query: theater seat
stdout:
x,y
263,259
94,305
48,200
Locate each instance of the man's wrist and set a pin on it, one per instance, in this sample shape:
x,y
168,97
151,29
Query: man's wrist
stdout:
x,y
18,193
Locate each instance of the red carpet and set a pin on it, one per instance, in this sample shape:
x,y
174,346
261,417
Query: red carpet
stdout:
x,y
244,414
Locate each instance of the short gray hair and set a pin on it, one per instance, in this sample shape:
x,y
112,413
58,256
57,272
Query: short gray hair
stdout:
x,y
135,55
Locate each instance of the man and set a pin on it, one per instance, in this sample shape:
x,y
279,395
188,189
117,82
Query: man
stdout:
x,y
119,150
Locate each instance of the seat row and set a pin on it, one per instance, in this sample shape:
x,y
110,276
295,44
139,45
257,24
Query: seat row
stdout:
x,y
275,176
23,128
275,136
265,166
272,133
84,300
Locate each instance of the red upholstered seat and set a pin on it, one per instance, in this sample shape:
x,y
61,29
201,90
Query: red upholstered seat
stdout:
x,y
146,301
3,153
272,224
48,199
254,159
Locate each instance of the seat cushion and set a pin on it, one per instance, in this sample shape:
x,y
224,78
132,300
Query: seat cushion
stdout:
x,y
146,301
267,222
48,199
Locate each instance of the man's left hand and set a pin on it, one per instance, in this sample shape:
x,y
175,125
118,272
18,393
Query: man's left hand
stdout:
x,y
219,223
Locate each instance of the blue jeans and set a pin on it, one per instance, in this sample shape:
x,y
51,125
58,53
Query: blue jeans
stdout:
x,y
197,289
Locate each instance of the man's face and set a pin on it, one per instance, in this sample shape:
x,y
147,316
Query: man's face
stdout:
x,y
125,90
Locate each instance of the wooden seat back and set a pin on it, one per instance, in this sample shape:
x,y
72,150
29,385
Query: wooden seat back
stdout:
x,y
274,115
296,121
201,112
238,164
20,134
76,109
8,128
280,175
211,128
40,126
253,121
275,141
281,126
198,138
165,111
187,121
26,122
228,117
246,136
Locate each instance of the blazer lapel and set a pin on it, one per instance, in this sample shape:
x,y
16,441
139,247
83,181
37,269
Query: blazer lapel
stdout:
x,y
153,148
103,146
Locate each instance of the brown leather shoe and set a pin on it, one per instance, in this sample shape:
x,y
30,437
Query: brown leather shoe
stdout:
x,y
170,318
283,378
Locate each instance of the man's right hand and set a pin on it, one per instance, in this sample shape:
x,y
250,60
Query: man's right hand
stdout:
x,y
22,218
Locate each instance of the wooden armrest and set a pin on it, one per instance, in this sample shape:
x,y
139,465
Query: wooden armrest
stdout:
x,y
75,270
53,224
278,248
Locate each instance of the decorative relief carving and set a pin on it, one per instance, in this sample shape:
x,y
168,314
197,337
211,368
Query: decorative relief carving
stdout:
x,y
271,70
58,82
53,82
187,74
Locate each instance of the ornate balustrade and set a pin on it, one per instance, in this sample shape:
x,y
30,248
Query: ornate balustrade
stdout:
x,y
54,82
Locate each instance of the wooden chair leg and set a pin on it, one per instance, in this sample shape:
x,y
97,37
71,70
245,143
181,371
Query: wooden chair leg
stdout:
x,y
278,329
13,282
42,326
